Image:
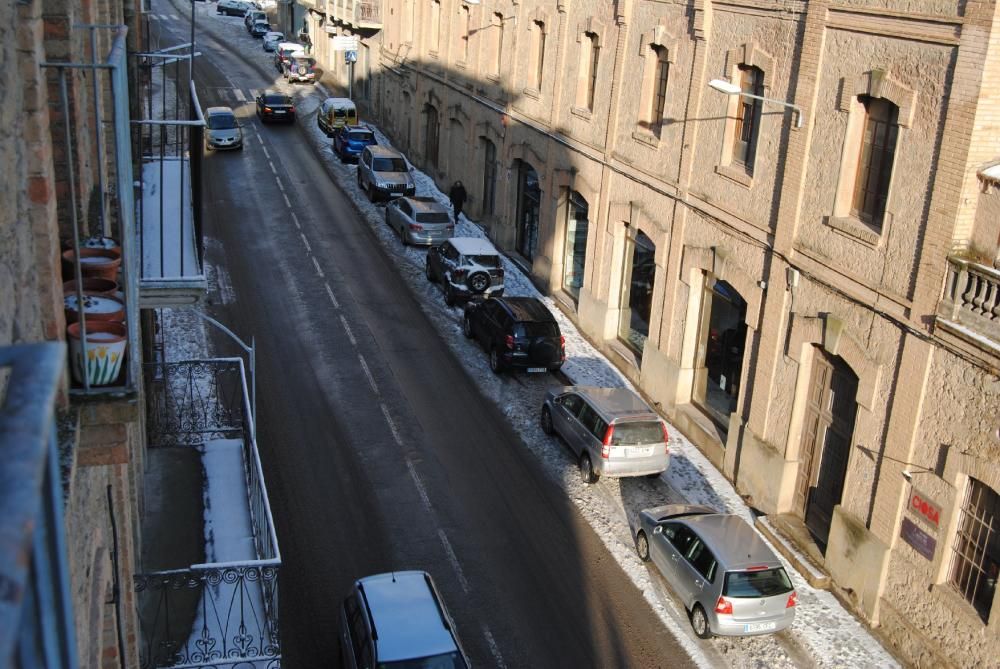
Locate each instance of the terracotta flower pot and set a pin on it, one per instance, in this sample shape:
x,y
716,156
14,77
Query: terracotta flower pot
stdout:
x,y
103,263
99,242
106,343
94,284
96,307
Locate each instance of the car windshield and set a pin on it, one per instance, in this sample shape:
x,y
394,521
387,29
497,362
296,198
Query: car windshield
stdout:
x,y
221,122
453,660
275,100
485,261
361,136
434,217
762,583
636,433
389,165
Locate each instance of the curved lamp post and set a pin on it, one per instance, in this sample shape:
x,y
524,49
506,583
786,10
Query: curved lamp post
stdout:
x,y
730,88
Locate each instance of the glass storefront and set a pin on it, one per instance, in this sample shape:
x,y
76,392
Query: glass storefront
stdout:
x,y
575,253
637,290
529,197
724,333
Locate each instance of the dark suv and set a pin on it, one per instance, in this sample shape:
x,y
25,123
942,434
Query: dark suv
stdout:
x,y
517,332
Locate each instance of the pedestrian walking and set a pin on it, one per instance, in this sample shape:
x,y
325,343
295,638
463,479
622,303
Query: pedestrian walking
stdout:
x,y
457,196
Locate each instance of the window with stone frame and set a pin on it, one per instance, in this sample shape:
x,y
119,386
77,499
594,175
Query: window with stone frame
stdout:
x,y
539,27
876,155
435,31
658,98
976,550
466,17
590,54
497,43
748,112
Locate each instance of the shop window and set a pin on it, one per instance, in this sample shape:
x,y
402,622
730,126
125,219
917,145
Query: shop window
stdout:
x,y
638,279
976,550
529,197
431,147
489,176
723,336
575,251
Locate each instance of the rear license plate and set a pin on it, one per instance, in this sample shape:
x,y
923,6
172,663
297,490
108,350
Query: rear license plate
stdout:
x,y
759,627
279,111
534,370
638,451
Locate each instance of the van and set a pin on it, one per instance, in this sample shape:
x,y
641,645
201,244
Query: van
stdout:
x,y
334,113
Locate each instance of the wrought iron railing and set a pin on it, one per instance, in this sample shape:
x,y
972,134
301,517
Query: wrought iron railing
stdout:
x,y
367,12
214,614
36,618
972,297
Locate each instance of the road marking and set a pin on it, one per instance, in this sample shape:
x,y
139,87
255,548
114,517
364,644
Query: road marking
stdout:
x,y
295,220
318,270
260,139
306,242
421,490
333,298
272,168
288,203
173,17
347,328
266,152
239,95
395,434
455,564
281,186
368,373
497,657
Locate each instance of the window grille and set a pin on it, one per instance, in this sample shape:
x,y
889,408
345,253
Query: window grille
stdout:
x,y
976,549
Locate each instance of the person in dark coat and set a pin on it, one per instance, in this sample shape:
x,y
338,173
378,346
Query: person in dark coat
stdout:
x,y
457,195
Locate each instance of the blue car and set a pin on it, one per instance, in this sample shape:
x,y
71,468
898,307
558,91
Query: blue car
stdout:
x,y
350,140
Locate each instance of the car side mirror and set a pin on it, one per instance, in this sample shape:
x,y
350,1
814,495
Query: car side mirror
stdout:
x,y
658,529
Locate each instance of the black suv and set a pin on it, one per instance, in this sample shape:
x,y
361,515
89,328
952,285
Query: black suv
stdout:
x,y
517,332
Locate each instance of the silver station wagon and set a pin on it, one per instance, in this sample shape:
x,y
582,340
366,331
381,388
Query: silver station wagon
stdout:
x,y
610,430
419,220
728,579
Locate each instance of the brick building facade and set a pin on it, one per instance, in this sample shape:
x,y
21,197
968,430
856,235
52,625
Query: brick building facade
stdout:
x,y
806,284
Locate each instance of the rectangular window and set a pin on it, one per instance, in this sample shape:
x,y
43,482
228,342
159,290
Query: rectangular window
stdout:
x,y
498,50
435,26
659,101
976,550
595,53
748,117
466,19
539,54
489,176
875,159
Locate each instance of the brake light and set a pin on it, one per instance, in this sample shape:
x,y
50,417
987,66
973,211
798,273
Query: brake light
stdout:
x,y
666,437
606,444
793,600
562,347
458,274
757,567
291,109
509,341
267,109
724,606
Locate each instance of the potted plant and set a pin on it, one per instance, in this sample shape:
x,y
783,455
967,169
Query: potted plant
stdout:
x,y
95,307
99,262
92,284
105,350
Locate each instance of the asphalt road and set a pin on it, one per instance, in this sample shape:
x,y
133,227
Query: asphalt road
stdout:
x,y
379,451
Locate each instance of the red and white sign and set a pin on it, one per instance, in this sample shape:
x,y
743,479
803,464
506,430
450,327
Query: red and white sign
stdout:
x,y
923,507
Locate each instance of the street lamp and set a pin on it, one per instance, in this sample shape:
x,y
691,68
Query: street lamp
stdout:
x,y
730,88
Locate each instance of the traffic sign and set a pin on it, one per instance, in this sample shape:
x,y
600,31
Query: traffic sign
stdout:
x,y
351,56
344,42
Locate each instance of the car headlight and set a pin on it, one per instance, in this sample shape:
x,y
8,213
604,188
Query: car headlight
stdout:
x,y
382,184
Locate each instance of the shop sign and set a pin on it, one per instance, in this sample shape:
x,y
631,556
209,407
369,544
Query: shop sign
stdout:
x,y
919,540
923,507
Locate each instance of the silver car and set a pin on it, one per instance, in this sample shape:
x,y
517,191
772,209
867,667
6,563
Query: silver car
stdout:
x,y
610,430
419,220
272,39
222,130
384,173
730,582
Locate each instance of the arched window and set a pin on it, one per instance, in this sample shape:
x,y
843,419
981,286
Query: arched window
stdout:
x,y
529,197
748,112
575,250
876,155
638,280
431,136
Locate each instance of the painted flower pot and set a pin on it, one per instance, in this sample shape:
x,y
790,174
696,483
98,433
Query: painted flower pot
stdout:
x,y
103,263
96,307
99,242
106,343
94,284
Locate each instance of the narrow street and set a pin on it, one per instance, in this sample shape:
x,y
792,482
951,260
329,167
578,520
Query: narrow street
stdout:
x,y
378,449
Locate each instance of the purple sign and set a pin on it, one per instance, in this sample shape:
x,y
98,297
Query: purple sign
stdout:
x,y
921,542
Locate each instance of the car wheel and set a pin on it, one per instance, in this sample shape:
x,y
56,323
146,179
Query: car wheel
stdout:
x,y
642,546
479,281
496,362
428,272
449,295
402,236
467,326
587,473
699,622
547,420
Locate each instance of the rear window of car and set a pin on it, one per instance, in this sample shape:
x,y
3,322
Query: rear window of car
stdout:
x,y
389,165
276,100
763,583
530,329
485,261
361,136
637,432
451,660
308,62
221,122
434,217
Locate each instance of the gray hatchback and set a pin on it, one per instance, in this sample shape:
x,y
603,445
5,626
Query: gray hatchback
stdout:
x,y
419,220
729,580
610,430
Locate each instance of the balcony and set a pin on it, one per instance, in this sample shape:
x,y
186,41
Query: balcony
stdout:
x,y
222,612
356,14
970,306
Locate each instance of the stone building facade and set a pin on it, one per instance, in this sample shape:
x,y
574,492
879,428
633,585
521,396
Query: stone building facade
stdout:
x,y
101,434
805,284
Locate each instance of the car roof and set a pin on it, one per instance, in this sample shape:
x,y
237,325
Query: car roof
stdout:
x,y
274,33
384,152
732,541
527,309
425,205
473,246
409,623
212,111
617,402
357,128
338,102
292,45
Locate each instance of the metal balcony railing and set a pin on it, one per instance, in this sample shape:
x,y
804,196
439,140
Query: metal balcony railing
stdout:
x,y
367,14
972,298
214,614
36,617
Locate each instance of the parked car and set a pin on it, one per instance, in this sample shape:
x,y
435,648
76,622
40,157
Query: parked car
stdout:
x,y
466,267
728,579
274,106
222,130
251,17
517,332
260,28
284,51
398,620
384,173
335,113
272,39
419,220
611,431
233,7
299,68
350,140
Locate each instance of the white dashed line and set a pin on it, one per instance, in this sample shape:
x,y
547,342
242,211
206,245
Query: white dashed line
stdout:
x,y
268,154
281,186
454,561
239,95
491,642
305,241
318,270
421,490
368,373
395,435
288,203
260,139
333,298
347,329
295,218
272,168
